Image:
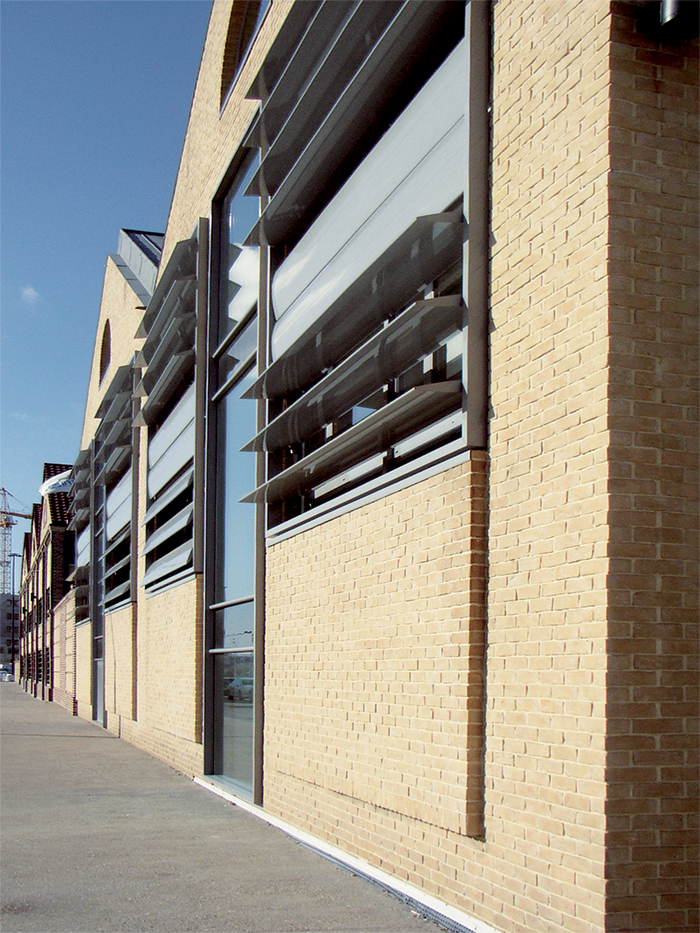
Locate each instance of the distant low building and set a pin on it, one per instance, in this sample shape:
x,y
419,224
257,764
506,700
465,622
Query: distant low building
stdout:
x,y
47,559
9,628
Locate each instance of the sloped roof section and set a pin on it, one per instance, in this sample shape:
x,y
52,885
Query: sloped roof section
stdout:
x,y
138,257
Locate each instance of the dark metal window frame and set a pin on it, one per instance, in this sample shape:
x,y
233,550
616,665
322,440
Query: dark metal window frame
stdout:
x,y
215,394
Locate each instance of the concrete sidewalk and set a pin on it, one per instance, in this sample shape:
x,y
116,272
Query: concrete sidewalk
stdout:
x,y
97,837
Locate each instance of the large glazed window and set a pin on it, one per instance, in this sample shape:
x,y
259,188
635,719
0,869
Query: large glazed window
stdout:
x,y
169,517
168,388
231,578
366,381
117,571
239,263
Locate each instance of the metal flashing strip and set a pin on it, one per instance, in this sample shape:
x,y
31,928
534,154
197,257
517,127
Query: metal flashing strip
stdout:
x,y
231,650
427,905
189,573
227,603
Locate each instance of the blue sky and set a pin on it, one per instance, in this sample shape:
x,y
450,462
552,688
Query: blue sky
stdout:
x,y
95,96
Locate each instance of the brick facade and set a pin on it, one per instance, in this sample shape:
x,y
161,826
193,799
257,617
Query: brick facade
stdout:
x,y
64,671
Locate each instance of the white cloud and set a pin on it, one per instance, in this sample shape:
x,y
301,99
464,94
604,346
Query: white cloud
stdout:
x,y
30,420
30,295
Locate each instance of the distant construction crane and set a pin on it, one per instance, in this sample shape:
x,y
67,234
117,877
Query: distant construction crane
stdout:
x,y
7,520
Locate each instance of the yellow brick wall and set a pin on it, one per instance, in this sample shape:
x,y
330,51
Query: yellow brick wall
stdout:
x,y
153,661
169,643
123,309
119,664
64,653
549,435
373,658
83,667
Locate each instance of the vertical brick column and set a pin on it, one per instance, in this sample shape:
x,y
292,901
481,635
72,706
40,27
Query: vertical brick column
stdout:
x,y
651,839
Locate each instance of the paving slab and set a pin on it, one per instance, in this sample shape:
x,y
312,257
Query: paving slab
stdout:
x,y
98,837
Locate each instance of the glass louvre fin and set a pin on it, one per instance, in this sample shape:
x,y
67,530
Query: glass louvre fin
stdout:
x,y
113,465
173,561
173,374
120,384
178,337
116,543
182,263
177,523
295,108
178,455
288,73
112,595
430,245
178,303
375,432
179,486
416,332
361,105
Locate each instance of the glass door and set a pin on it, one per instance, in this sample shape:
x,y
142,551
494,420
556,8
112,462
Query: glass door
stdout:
x,y
233,690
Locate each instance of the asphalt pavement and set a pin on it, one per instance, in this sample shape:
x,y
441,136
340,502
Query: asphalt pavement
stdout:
x,y
98,837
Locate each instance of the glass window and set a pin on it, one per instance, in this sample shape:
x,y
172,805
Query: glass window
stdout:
x,y
234,626
233,369
238,354
235,477
395,378
239,263
233,689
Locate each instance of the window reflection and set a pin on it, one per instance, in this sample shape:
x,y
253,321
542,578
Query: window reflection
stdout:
x,y
235,478
239,352
234,699
234,626
239,263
